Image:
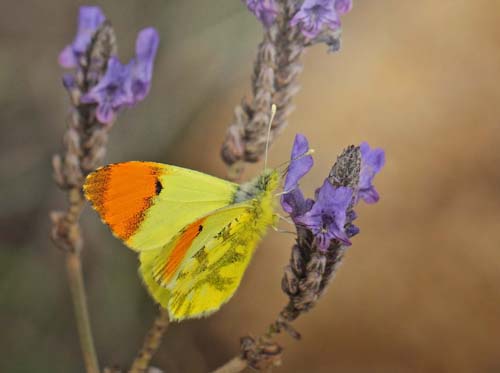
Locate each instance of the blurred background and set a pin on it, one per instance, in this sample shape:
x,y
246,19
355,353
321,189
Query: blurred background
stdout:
x,y
419,290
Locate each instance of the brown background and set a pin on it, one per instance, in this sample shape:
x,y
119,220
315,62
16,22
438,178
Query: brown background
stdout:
x,y
420,288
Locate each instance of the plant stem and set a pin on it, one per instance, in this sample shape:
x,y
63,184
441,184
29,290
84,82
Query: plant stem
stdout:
x,y
75,277
66,235
151,343
235,365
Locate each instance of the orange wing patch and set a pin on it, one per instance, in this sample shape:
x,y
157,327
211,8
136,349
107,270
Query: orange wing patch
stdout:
x,y
182,245
122,193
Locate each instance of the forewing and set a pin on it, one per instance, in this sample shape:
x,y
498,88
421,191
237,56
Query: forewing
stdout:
x,y
146,204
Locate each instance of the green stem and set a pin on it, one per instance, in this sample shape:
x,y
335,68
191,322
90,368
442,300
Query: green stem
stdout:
x,y
77,287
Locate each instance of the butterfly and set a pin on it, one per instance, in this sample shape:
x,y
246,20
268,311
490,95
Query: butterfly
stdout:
x,y
195,234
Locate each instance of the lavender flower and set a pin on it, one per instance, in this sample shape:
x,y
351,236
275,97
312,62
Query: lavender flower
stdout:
x,y
372,161
330,216
125,85
316,15
90,19
265,10
327,217
112,92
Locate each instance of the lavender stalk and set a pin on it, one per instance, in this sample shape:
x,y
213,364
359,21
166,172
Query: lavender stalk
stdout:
x,y
324,228
273,81
98,90
84,143
290,27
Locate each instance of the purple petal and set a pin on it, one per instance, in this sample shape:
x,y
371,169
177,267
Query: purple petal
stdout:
x,y
142,72
295,204
90,19
374,158
372,161
311,220
335,201
332,21
67,58
327,217
323,242
300,164
369,195
314,15
341,235
105,113
69,81
352,230
351,216
293,200
343,6
112,92
266,11
331,198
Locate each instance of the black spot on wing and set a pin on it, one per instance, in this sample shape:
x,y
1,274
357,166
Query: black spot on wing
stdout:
x,y
158,187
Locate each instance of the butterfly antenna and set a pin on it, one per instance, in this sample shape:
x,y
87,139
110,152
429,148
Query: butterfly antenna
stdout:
x,y
273,113
287,163
284,230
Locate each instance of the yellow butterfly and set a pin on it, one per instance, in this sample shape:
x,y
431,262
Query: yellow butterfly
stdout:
x,y
195,233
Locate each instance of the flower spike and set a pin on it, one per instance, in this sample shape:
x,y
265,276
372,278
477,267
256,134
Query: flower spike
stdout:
x,y
125,85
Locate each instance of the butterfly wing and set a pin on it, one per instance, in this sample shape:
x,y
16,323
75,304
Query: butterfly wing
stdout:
x,y
145,204
160,267
201,268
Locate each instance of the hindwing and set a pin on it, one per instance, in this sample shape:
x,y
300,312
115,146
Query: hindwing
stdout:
x,y
201,268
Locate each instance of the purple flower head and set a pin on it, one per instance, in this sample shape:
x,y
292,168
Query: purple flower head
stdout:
x,y
293,200
327,217
265,10
316,15
125,85
372,161
90,18
112,92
